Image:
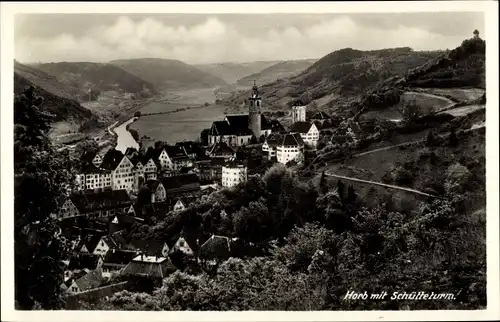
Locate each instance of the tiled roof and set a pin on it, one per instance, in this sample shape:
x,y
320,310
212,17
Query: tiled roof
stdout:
x,y
149,247
292,140
216,247
147,266
92,201
237,125
91,280
276,126
175,152
115,240
301,127
119,257
82,260
152,185
187,182
88,156
89,168
90,242
221,148
112,159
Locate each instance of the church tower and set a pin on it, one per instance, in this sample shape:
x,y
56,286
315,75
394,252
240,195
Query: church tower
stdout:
x,y
298,112
254,117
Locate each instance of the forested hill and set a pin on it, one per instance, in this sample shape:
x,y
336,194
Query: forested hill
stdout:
x,y
279,70
168,73
340,75
96,76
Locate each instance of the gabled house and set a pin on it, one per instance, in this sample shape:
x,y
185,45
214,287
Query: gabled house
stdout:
x,y
148,266
181,185
96,204
321,117
122,174
172,157
270,145
149,247
290,147
115,260
109,242
81,262
221,150
87,243
91,157
92,177
118,223
91,280
187,244
157,191
191,149
216,248
308,131
233,174
179,205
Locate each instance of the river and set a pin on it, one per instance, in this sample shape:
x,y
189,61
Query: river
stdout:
x,y
124,138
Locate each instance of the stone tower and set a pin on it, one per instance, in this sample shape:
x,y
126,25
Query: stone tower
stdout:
x,y
254,117
476,34
298,112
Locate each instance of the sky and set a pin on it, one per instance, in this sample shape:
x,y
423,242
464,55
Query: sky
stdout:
x,y
214,38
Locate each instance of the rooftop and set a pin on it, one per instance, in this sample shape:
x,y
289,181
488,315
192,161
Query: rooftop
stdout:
x,y
149,259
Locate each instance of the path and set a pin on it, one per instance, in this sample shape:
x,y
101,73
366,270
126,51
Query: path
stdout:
x,y
380,184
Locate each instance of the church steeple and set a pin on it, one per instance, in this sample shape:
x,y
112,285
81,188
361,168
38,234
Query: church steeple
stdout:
x,y
254,114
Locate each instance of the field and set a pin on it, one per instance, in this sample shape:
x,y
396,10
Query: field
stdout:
x,y
457,94
463,110
427,102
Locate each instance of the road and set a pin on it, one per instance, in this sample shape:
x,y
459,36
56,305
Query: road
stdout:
x,y
329,174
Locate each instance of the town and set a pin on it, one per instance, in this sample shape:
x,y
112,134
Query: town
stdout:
x,y
113,190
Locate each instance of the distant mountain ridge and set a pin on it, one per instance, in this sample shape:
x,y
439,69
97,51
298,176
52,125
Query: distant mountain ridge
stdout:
x,y
232,72
340,75
168,73
283,69
95,76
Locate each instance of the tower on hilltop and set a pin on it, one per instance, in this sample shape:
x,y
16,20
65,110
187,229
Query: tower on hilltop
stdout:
x,y
254,111
476,33
298,112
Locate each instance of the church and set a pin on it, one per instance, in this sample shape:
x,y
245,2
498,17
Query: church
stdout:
x,y
237,130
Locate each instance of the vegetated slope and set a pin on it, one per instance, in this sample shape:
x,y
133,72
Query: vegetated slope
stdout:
x,y
96,76
47,82
277,71
62,107
168,74
340,75
231,72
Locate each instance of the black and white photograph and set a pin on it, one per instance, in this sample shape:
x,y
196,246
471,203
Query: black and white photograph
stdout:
x,y
169,160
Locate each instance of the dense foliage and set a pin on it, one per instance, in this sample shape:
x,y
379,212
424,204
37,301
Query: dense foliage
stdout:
x,y
41,178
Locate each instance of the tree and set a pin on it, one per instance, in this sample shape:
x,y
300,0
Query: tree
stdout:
x,y
253,140
87,145
137,114
42,176
410,110
160,144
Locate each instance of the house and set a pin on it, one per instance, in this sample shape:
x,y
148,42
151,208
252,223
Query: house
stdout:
x,y
179,206
216,248
148,266
181,185
121,222
233,174
308,131
115,260
221,150
157,191
298,112
186,244
91,280
270,145
290,147
122,174
149,247
91,157
92,177
171,157
80,262
109,242
191,149
237,130
210,169
321,118
87,243
95,204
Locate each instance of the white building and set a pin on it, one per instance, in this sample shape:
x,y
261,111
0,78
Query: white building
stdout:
x,y
233,175
290,148
308,131
298,112
122,170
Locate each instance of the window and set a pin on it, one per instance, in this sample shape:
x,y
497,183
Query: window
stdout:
x,y
74,289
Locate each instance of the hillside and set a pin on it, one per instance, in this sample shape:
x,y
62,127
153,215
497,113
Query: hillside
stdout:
x,y
96,76
339,76
231,72
277,71
168,74
47,82
55,99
